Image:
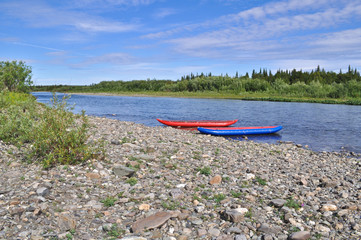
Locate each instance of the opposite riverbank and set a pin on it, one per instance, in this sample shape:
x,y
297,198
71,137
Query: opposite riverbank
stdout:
x,y
223,95
164,183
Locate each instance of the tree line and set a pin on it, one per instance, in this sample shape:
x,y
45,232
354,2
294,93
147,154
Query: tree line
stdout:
x,y
317,83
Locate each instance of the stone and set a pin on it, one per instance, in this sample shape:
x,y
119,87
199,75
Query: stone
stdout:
x,y
122,171
133,238
301,235
278,202
153,221
234,230
329,207
201,232
92,175
176,193
233,216
215,180
66,222
240,237
214,232
43,191
267,229
250,176
144,207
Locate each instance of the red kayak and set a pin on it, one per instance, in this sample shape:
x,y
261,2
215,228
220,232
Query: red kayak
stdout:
x,y
198,123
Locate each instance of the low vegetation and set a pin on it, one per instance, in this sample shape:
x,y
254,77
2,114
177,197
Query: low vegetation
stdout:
x,y
51,135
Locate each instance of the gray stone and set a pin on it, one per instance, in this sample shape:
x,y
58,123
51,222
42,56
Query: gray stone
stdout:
x,y
66,222
267,229
234,230
153,221
233,216
214,232
133,238
240,237
302,235
122,171
43,191
278,202
176,193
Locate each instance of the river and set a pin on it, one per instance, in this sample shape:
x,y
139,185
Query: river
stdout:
x,y
322,127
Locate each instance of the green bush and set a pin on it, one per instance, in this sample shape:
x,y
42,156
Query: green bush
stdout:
x,y
57,136
15,76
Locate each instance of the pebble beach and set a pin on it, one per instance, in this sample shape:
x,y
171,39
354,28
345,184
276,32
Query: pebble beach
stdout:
x,y
171,184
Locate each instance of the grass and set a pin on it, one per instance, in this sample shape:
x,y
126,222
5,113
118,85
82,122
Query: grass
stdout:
x,y
57,136
261,181
291,203
115,232
205,171
132,181
109,201
170,205
219,197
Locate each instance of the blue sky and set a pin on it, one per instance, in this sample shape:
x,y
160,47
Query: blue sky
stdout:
x,y
81,42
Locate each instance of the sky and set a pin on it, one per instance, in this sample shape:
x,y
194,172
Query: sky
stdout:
x,y
83,42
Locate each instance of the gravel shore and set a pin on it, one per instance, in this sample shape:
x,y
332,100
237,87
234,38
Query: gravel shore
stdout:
x,y
166,183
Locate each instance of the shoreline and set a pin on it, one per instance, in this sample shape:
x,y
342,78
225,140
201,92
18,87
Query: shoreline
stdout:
x,y
182,185
210,95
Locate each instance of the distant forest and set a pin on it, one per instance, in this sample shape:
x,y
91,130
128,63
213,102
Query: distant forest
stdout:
x,y
317,83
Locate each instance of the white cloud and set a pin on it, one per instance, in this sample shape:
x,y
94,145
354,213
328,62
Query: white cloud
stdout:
x,y
269,36
164,12
111,58
40,15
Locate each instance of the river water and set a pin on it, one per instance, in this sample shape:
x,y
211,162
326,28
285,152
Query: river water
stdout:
x,y
323,127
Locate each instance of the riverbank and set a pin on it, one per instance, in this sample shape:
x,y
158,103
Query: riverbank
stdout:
x,y
225,95
182,185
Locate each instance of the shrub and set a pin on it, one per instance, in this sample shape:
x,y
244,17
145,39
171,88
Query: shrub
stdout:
x,y
57,135
15,76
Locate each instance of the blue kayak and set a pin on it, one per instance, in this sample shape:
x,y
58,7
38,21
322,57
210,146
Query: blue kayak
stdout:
x,y
231,131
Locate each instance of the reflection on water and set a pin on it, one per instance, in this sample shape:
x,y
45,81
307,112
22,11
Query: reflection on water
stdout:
x,y
267,138
323,127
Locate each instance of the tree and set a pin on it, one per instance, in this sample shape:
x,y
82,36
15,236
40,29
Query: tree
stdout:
x,y
15,76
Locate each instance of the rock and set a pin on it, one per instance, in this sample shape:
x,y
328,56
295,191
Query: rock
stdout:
x,y
92,175
153,221
278,202
214,232
329,207
234,230
201,232
176,193
233,216
66,222
133,238
302,235
144,207
17,211
122,171
267,229
42,191
240,237
250,176
215,180
168,177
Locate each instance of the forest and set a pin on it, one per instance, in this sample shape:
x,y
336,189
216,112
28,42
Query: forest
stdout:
x,y
315,84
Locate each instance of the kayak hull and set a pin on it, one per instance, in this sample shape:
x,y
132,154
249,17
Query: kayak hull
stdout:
x,y
232,131
198,123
